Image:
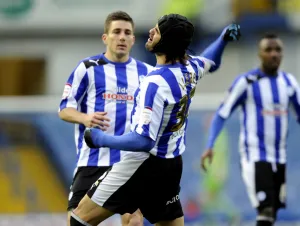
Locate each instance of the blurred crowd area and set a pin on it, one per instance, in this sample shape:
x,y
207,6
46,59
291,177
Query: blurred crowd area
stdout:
x,y
42,41
49,37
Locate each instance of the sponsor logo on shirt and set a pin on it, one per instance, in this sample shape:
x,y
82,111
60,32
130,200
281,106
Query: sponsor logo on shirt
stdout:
x,y
121,95
278,110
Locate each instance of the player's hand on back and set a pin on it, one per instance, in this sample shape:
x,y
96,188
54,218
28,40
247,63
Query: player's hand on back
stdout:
x,y
96,119
232,32
207,155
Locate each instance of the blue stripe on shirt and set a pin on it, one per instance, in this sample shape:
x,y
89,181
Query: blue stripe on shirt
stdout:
x,y
134,105
141,68
240,100
82,87
149,100
63,103
200,62
194,66
99,107
121,112
83,109
80,91
184,71
259,120
162,146
245,131
276,100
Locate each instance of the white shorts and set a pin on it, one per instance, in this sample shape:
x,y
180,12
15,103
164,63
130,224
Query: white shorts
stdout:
x,y
141,183
265,184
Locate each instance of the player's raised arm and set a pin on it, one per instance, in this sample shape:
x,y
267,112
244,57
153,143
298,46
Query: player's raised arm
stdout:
x,y
151,105
212,55
295,96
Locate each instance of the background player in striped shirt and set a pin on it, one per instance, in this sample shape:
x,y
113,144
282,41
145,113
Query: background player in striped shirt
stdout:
x,y
263,95
100,93
151,181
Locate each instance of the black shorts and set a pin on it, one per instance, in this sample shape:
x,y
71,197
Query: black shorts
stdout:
x,y
83,180
266,184
149,183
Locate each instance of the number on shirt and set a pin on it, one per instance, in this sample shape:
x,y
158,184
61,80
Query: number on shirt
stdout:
x,y
183,113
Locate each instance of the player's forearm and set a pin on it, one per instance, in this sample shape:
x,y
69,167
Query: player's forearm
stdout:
x,y
129,142
215,129
72,115
214,52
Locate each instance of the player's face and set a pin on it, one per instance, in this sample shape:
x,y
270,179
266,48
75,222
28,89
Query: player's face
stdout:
x,y
119,38
271,53
154,37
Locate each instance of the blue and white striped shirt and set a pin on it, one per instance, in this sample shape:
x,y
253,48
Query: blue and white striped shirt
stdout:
x,y
162,104
264,103
99,85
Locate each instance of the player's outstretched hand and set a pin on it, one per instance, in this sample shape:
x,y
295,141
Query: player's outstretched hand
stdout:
x,y
208,154
93,137
232,33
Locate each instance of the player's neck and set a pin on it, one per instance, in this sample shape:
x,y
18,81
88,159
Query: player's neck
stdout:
x,y
268,71
161,60
114,58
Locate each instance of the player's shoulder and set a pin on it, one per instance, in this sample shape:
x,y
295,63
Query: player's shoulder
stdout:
x,y
289,78
244,79
160,72
194,59
163,75
199,61
250,76
84,64
287,74
156,75
157,71
93,61
143,64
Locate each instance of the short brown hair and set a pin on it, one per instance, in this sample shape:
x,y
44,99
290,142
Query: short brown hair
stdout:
x,y
118,15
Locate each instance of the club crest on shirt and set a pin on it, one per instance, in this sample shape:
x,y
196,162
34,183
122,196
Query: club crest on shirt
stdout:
x,y
146,115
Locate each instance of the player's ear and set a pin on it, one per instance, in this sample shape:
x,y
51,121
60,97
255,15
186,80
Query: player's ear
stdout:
x,y
104,38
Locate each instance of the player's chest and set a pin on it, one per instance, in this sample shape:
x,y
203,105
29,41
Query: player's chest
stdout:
x,y
115,84
269,93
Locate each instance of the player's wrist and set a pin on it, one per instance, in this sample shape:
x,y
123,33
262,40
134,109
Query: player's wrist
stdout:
x,y
209,146
83,118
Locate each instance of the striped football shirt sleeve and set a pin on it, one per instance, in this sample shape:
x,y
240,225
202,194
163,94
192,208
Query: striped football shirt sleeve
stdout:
x,y
236,95
151,103
75,88
203,65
